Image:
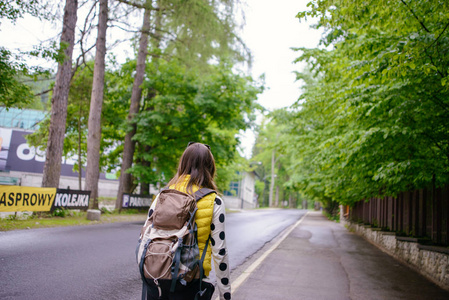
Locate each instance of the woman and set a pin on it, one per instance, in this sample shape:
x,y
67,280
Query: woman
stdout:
x,y
197,170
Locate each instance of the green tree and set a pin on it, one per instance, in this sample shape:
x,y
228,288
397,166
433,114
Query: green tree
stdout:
x,y
196,32
272,162
12,91
372,120
96,104
76,122
13,10
125,181
13,71
52,166
188,107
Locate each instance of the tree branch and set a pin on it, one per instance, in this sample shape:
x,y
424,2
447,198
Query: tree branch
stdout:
x,y
416,17
436,40
124,29
440,103
137,5
42,93
431,60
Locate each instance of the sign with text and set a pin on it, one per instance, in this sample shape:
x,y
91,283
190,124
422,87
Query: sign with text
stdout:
x,y
71,199
17,155
136,201
23,198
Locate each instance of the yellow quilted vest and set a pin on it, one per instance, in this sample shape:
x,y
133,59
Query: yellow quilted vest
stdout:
x,y
203,218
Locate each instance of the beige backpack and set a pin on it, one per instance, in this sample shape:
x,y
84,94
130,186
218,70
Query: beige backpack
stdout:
x,y
167,252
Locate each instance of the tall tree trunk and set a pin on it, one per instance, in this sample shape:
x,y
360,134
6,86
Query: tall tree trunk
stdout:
x,y
145,186
125,182
151,93
52,167
96,103
80,161
270,201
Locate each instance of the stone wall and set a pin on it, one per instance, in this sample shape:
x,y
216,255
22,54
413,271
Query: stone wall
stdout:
x,y
430,261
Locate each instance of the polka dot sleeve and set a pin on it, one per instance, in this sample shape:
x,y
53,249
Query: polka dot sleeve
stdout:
x,y
219,250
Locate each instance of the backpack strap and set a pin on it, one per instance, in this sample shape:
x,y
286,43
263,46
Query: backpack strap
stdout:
x,y
177,259
144,290
201,292
203,192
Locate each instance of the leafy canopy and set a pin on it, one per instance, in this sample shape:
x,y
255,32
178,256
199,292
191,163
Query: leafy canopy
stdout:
x,y
372,118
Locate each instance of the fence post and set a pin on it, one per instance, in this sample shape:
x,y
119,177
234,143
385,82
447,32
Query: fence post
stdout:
x,y
446,195
409,215
395,214
390,213
421,213
436,213
444,215
399,214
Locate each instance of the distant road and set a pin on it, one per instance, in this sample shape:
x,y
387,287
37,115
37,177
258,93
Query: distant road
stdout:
x,y
98,261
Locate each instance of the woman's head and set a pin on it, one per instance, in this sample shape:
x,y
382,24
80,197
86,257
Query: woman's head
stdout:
x,y
198,162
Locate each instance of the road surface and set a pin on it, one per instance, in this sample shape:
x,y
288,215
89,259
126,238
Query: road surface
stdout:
x,y
98,261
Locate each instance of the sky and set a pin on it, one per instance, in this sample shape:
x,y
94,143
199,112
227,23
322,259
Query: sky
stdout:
x,y
270,32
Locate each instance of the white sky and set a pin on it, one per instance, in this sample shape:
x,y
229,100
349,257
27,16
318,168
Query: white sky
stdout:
x,y
271,30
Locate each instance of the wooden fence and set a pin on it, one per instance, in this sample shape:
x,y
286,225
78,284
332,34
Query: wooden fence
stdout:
x,y
421,213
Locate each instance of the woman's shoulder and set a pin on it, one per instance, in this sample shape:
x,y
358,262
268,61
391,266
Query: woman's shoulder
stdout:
x,y
219,203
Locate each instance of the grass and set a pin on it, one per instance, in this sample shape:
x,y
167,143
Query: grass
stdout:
x,y
71,219
335,218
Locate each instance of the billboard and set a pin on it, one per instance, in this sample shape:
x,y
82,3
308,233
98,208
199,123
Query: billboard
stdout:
x,y
71,199
17,155
23,198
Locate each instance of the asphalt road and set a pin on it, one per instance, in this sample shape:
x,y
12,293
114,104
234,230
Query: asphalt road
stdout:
x,y
98,261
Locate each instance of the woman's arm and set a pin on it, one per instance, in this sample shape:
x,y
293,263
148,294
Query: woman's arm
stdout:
x,y
219,250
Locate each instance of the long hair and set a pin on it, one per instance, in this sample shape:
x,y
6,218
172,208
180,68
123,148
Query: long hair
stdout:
x,y
198,162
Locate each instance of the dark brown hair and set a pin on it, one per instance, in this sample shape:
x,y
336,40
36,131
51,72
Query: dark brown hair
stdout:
x,y
198,162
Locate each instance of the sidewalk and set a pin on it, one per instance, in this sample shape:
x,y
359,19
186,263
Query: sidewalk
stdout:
x,y
321,259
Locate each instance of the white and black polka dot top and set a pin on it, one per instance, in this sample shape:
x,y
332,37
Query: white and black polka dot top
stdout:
x,y
219,249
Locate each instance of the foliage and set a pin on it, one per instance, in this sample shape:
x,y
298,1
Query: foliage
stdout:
x,y
12,91
333,217
372,120
194,87
210,108
60,212
231,171
260,190
269,139
13,10
14,71
199,32
77,117
114,113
